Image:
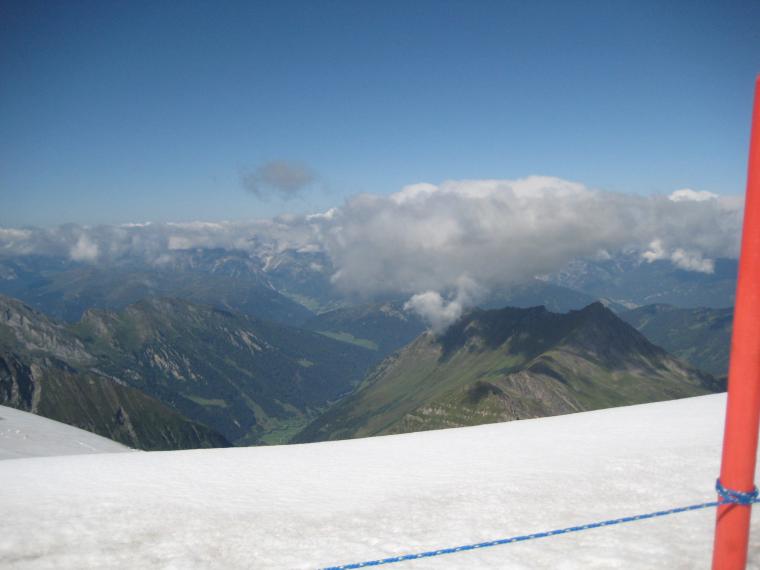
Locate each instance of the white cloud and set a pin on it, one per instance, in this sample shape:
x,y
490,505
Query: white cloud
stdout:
x,y
84,249
692,261
655,251
15,241
681,258
179,242
438,312
413,192
322,216
687,194
500,231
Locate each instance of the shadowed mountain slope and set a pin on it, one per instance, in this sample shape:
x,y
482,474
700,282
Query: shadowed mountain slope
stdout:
x,y
247,378
47,370
701,336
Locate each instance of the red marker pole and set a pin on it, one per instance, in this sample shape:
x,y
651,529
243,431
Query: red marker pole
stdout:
x,y
737,470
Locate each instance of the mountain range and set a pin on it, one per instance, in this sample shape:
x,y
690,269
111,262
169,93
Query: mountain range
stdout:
x,y
507,364
631,281
200,346
65,289
701,336
46,369
240,378
249,379
291,286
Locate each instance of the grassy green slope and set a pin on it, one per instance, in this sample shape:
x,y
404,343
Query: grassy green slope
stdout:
x,y
510,364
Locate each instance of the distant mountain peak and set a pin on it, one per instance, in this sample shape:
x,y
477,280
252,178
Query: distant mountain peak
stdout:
x,y
597,308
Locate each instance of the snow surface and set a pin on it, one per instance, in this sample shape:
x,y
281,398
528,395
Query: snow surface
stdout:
x,y
309,506
28,435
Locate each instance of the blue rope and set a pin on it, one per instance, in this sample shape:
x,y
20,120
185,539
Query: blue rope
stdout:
x,y
728,496
736,497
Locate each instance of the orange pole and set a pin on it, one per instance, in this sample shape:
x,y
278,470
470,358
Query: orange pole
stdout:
x,y
743,407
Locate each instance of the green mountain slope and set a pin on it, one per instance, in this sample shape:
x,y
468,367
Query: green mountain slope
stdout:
x,y
46,370
253,381
701,336
507,364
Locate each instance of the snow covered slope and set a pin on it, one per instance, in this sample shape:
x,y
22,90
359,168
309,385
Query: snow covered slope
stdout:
x,y
307,506
28,435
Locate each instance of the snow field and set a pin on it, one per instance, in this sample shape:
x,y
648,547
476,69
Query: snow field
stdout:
x,y
315,505
27,435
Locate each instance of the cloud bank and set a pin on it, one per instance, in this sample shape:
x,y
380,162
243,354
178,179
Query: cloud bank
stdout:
x,y
426,239
440,245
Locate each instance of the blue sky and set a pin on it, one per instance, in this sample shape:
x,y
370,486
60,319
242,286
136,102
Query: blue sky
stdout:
x,y
131,111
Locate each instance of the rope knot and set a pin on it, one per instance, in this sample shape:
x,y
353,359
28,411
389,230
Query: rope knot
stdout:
x,y
736,497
